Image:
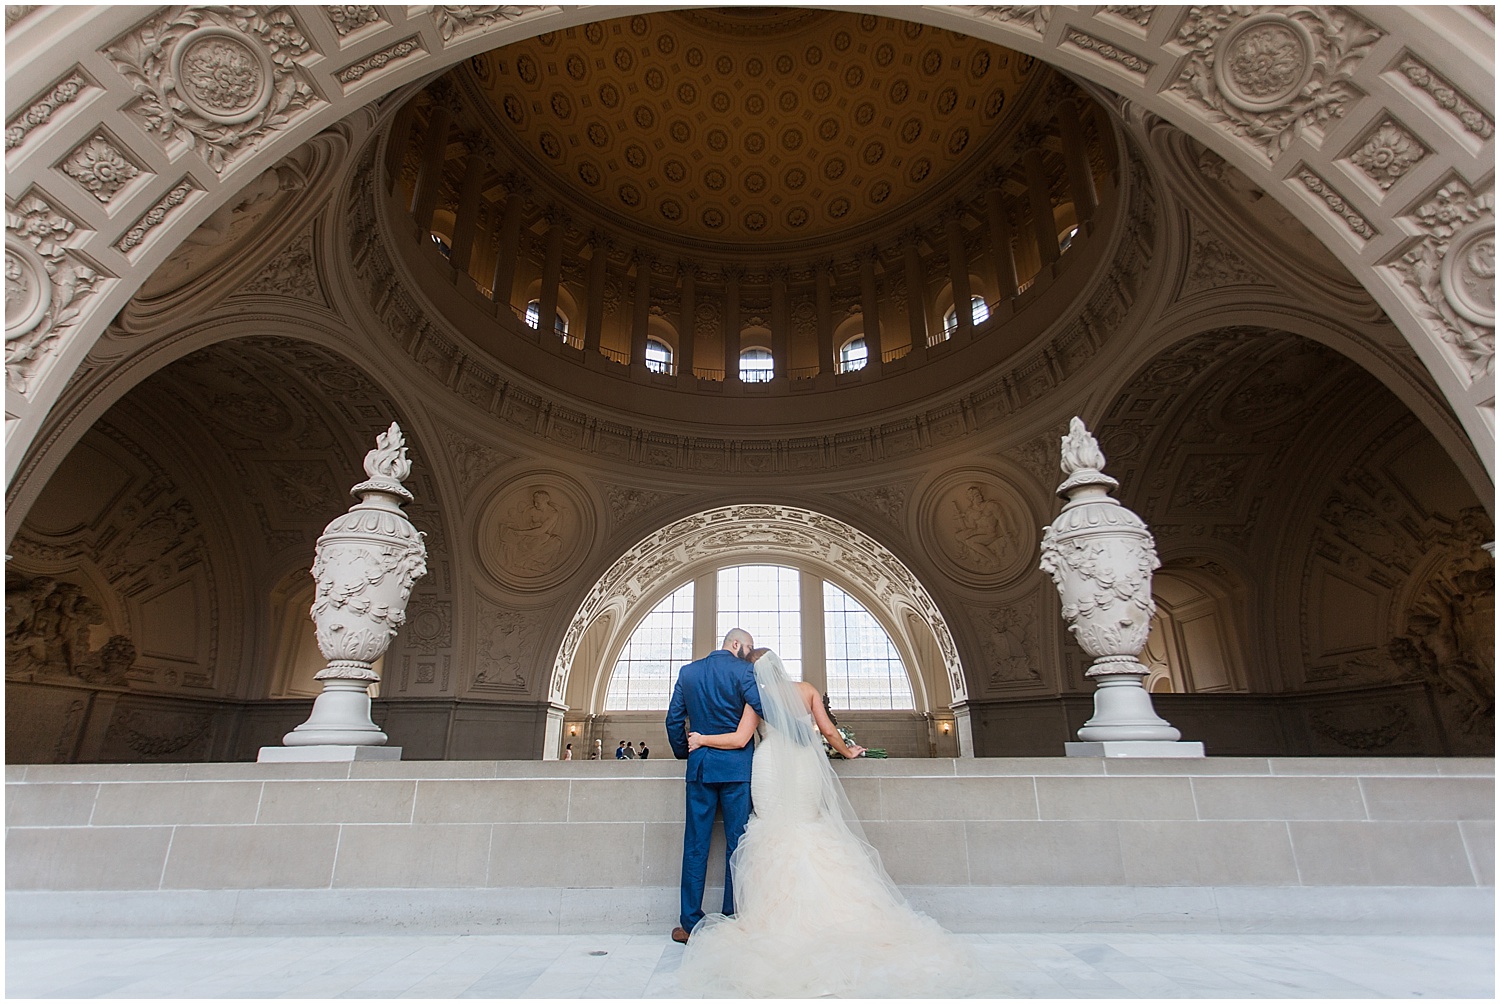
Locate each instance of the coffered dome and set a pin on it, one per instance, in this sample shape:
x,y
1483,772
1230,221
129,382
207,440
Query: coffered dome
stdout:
x,y
750,126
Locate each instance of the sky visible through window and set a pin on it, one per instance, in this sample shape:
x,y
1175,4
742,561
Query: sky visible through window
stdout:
x,y
865,673
765,600
647,668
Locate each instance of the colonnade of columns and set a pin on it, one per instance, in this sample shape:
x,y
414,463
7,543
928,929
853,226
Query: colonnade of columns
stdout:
x,y
507,259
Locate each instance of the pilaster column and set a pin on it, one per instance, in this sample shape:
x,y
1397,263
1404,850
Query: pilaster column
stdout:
x,y
640,314
593,327
958,268
466,227
430,171
869,306
508,243
1039,196
687,322
397,142
781,321
732,325
916,295
546,322
823,294
1076,154
1003,255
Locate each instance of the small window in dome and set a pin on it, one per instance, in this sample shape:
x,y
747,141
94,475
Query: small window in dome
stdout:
x,y
442,245
980,312
1066,240
534,319
757,365
658,356
853,355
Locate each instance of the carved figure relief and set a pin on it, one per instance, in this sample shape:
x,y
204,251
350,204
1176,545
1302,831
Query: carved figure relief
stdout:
x,y
47,628
980,525
505,649
1008,641
535,530
1449,629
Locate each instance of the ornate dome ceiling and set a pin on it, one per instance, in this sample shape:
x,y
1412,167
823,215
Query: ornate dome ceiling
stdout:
x,y
751,125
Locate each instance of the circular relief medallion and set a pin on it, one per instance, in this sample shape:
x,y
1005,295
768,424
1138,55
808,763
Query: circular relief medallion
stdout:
x,y
1263,62
534,531
222,74
1468,274
980,525
28,288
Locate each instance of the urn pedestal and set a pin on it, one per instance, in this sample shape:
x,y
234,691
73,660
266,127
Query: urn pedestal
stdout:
x,y
365,564
1101,556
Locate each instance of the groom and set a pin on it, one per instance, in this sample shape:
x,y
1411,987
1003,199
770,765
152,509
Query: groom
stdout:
x,y
709,698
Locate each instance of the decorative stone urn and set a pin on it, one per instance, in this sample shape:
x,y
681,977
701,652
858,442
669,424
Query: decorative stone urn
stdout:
x,y
365,564
1101,557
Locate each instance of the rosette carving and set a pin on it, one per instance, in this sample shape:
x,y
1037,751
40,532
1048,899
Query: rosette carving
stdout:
x,y
43,286
1269,77
218,79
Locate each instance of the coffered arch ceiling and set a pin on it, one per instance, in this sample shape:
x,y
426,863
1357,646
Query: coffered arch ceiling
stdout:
x,y
1375,126
743,127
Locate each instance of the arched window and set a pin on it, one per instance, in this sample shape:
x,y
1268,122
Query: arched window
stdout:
x,y
864,670
979,311
658,356
757,365
1066,240
853,355
534,319
765,600
647,668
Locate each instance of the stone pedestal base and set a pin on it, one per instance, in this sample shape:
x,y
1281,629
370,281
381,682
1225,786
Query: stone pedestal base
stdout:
x,y
326,754
1141,749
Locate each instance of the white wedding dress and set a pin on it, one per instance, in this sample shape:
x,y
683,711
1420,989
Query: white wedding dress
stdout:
x,y
817,914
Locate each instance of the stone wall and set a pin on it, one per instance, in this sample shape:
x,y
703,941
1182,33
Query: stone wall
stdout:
x,y
1224,844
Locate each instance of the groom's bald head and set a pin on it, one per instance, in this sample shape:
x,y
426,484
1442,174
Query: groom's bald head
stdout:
x,y
739,642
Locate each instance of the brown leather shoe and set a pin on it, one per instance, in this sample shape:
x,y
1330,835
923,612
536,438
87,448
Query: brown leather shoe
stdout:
x,y
679,935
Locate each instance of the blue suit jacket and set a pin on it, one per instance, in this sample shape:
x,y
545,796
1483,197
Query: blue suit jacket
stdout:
x,y
710,697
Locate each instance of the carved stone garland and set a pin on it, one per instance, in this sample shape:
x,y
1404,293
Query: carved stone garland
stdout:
x,y
1101,556
367,560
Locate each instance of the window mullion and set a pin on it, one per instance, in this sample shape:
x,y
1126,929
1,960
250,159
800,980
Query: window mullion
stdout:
x,y
814,652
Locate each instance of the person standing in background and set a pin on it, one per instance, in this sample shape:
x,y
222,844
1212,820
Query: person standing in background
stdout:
x,y
568,753
630,751
645,750
620,750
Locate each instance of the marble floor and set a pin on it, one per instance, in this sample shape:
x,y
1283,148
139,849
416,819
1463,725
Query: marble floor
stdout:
x,y
645,966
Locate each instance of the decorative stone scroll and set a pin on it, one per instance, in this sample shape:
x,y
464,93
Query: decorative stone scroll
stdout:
x,y
365,565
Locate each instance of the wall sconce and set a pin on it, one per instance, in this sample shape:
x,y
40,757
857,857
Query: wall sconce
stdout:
x,y
572,730
944,726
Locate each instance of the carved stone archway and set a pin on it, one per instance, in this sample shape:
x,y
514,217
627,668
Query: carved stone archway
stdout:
x,y
1389,159
769,531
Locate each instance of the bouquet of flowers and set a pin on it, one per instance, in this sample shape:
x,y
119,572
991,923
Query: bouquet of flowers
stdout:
x,y
847,735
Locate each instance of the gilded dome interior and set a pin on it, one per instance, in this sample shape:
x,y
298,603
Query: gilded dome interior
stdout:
x,y
747,126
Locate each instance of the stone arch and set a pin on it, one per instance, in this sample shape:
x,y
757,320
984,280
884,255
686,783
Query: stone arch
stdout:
x,y
1361,76
639,578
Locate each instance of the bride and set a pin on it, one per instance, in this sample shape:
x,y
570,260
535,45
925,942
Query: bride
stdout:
x,y
818,915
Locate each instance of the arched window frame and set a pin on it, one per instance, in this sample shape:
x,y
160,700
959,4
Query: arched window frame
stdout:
x,y
534,318
852,357
759,374
659,356
979,312
630,620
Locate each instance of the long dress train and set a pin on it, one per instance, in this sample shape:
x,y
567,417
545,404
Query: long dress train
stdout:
x,y
817,914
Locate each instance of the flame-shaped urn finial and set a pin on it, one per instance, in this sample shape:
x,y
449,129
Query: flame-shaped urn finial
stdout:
x,y
365,564
1101,556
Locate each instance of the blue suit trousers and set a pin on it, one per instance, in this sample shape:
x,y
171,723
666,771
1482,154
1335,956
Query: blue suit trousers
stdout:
x,y
704,799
